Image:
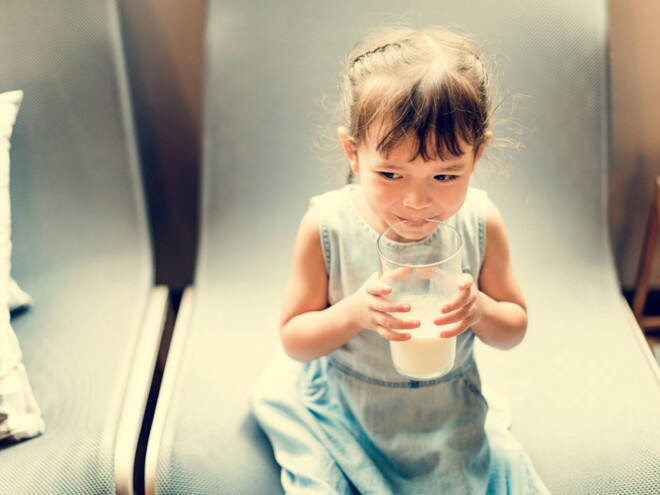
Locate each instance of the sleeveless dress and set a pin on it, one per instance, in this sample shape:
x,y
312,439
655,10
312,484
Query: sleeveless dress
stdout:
x,y
348,423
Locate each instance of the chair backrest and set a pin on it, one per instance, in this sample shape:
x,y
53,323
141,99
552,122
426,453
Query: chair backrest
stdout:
x,y
269,69
76,185
80,236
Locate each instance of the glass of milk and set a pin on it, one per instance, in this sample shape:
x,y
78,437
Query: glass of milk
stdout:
x,y
422,263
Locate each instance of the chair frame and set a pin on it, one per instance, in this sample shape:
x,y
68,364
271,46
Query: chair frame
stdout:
x,y
646,264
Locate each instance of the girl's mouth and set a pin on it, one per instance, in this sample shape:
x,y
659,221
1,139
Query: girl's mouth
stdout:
x,y
413,222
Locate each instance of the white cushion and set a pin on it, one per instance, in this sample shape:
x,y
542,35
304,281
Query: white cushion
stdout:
x,y
19,414
10,102
18,298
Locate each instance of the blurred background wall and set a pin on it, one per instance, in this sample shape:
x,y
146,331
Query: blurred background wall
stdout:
x,y
164,45
635,63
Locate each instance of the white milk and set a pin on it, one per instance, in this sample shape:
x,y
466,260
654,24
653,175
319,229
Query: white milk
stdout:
x,y
426,355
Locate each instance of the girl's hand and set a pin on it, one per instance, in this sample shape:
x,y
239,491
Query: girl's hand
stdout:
x,y
373,311
463,311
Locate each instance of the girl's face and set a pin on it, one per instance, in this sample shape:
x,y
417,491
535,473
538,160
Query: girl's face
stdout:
x,y
396,189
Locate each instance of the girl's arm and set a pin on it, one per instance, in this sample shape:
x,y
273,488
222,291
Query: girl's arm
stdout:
x,y
496,311
309,328
503,319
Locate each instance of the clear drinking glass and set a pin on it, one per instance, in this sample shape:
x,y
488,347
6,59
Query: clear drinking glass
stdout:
x,y
422,263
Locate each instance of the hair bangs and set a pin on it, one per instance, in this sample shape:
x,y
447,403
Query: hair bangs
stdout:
x,y
439,120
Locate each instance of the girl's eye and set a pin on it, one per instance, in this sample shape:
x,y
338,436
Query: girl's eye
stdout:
x,y
389,175
445,178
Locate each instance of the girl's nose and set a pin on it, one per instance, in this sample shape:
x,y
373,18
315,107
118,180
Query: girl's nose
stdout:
x,y
417,198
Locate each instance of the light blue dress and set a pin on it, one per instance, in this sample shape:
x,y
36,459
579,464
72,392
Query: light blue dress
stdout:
x,y
348,423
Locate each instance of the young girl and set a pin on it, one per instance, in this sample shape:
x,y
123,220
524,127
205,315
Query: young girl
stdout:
x,y
417,113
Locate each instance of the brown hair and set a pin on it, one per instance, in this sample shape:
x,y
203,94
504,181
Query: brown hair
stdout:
x,y
432,85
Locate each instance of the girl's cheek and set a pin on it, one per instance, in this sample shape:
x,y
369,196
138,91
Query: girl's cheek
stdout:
x,y
385,195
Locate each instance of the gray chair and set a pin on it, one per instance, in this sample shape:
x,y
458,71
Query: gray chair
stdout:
x,y
81,248
584,394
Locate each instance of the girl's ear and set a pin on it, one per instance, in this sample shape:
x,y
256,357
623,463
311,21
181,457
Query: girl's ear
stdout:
x,y
482,147
349,148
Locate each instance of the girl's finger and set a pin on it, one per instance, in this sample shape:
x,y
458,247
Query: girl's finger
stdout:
x,y
386,306
464,297
397,324
388,334
461,299
453,330
378,288
388,321
465,281
460,314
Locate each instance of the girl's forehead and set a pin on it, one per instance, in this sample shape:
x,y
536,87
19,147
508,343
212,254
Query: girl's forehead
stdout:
x,y
407,150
